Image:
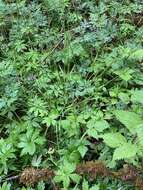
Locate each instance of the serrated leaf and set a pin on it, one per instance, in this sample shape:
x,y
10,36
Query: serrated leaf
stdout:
x,y
126,151
130,119
114,139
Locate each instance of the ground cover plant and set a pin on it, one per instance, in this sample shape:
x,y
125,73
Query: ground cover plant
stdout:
x,y
71,94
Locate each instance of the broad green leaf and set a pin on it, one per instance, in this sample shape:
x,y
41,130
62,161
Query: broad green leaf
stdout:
x,y
114,139
82,149
130,119
66,182
96,126
126,151
41,185
92,133
138,55
39,140
100,126
137,96
27,148
85,185
68,167
2,103
125,74
5,186
31,148
95,187
139,132
36,161
65,124
124,97
75,177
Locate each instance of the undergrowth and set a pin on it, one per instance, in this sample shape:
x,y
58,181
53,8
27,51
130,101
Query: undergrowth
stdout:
x,y
71,89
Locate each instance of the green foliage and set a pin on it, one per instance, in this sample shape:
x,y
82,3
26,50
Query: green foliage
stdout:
x,y
114,140
65,174
29,141
130,119
123,149
6,154
96,127
126,151
5,186
137,96
137,55
70,88
85,186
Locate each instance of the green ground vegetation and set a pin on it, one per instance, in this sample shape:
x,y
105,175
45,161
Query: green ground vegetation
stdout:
x,y
71,88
